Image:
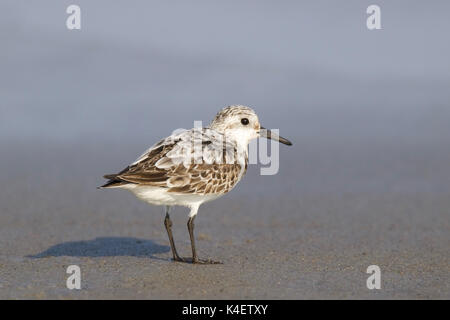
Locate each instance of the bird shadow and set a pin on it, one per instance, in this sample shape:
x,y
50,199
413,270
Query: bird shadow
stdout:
x,y
105,247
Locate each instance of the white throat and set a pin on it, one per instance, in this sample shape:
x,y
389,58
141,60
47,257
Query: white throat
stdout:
x,y
241,137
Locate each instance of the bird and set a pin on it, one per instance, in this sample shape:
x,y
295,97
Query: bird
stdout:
x,y
191,167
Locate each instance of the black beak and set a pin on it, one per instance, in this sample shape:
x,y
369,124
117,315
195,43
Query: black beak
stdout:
x,y
270,135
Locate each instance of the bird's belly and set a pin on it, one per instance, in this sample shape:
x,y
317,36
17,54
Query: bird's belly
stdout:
x,y
160,196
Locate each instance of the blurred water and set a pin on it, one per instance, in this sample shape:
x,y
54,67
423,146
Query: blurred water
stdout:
x,y
309,68
365,109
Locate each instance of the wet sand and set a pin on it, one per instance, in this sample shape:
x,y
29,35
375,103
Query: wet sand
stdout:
x,y
309,232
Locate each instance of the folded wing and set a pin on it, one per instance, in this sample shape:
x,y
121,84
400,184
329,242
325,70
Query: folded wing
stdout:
x,y
195,161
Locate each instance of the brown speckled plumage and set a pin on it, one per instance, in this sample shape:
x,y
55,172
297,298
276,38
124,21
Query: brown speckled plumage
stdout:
x,y
173,164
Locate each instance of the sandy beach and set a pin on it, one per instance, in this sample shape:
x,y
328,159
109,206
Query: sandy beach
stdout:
x,y
274,245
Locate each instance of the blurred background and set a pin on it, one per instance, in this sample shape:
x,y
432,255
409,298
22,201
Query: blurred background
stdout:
x,y
135,72
368,112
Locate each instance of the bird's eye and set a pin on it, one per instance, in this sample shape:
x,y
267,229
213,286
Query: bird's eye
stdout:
x,y
244,121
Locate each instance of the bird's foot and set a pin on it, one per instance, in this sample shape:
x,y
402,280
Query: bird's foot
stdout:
x,y
180,259
196,260
206,261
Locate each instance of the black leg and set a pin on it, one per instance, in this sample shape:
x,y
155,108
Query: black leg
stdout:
x,y
195,259
190,225
168,225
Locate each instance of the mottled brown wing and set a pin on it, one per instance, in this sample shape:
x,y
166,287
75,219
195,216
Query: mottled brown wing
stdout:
x,y
204,178
145,171
170,164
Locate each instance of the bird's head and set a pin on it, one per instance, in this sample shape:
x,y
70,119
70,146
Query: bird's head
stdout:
x,y
241,124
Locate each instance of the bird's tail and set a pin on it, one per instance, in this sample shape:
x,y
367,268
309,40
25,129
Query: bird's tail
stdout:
x,y
113,182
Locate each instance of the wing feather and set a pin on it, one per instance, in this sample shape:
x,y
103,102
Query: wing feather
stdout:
x,y
192,161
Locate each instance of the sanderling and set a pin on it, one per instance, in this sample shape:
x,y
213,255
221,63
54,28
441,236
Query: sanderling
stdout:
x,y
194,166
